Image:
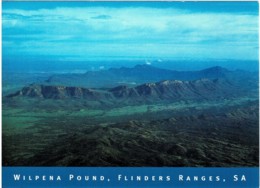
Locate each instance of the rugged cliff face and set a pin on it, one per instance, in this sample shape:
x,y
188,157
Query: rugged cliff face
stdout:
x,y
60,92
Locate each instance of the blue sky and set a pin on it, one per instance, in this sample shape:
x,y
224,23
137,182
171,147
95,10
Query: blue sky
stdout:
x,y
81,31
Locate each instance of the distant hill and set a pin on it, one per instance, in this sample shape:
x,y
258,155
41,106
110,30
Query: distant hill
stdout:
x,y
132,76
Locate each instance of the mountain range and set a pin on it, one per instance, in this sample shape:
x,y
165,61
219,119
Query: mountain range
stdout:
x,y
211,83
140,116
163,90
132,76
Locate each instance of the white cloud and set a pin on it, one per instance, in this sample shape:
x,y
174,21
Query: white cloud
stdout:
x,y
148,62
139,31
101,67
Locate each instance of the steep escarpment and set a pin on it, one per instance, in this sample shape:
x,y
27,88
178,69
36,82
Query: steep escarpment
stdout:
x,y
60,92
163,90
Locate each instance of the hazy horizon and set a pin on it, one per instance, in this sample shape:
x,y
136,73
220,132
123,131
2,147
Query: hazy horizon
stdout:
x,y
192,32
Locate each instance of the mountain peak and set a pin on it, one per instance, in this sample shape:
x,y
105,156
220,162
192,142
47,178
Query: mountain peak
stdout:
x,y
216,69
168,82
